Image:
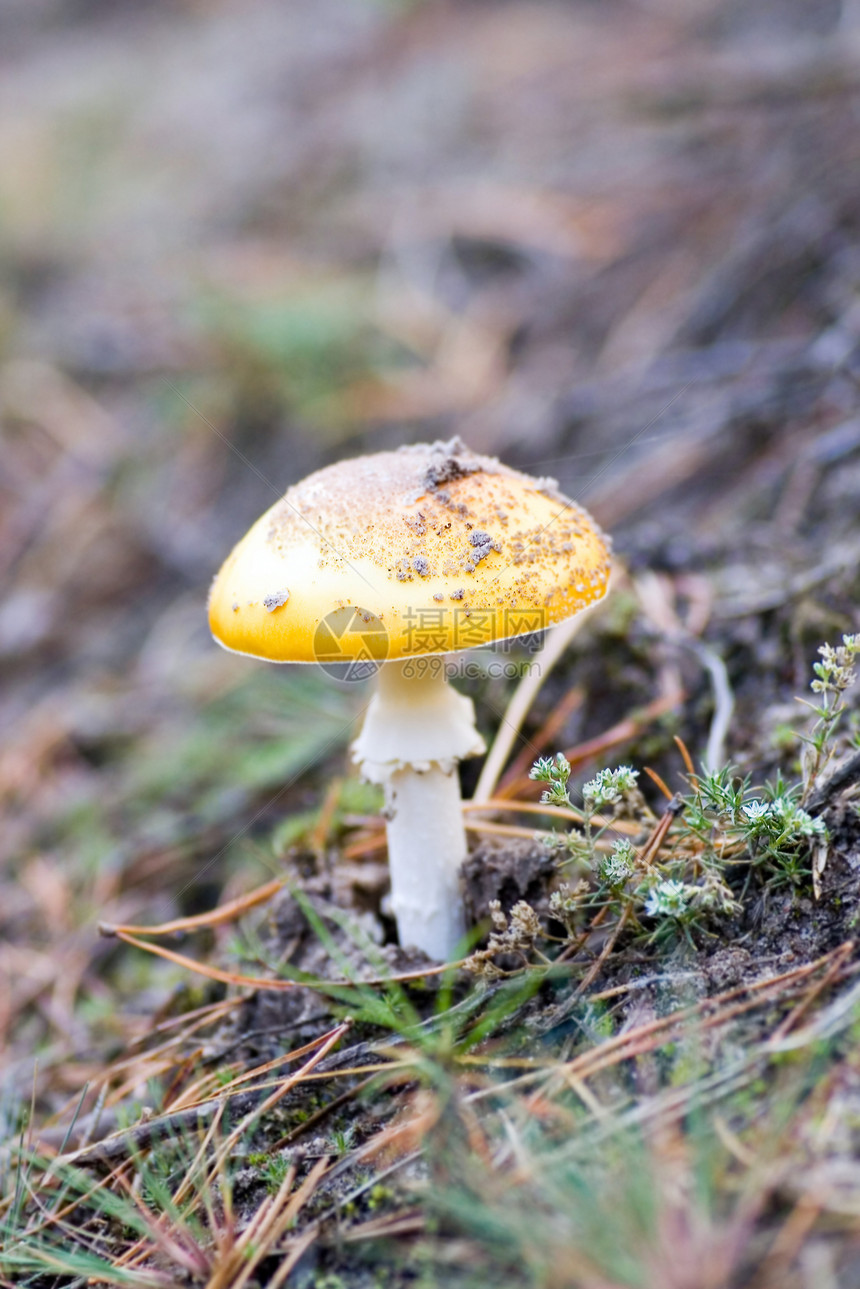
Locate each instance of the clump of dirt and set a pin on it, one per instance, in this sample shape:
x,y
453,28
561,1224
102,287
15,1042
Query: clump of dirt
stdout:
x,y
447,464
319,936
482,544
276,600
509,872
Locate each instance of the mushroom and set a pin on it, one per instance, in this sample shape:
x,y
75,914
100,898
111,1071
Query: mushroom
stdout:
x,y
386,562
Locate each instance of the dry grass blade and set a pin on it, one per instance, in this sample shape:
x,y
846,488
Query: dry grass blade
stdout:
x,y
166,1237
594,971
651,849
259,1070
201,969
660,782
302,1244
514,806
142,1065
284,1086
499,830
273,983
522,698
625,730
411,1222
260,1238
841,957
688,762
217,917
545,736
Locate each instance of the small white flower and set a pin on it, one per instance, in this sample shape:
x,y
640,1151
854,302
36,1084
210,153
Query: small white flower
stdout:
x,y
563,900
756,810
783,808
615,868
668,899
804,825
609,786
542,770
555,795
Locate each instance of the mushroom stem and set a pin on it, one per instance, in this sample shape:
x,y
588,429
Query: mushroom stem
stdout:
x,y
426,849
416,730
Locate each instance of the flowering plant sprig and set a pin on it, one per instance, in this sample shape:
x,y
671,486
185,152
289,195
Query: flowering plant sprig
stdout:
x,y
834,674
780,820
617,867
721,835
554,771
609,786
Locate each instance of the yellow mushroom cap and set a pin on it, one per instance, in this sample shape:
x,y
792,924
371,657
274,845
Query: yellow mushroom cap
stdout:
x,y
425,550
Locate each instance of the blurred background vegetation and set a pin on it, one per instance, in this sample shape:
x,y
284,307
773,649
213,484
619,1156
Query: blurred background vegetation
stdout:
x,y
611,241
